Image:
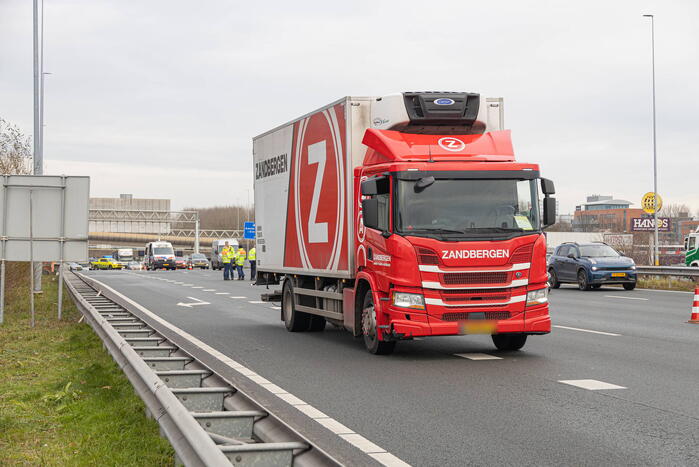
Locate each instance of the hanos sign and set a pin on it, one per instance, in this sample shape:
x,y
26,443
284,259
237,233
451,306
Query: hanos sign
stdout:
x,y
647,224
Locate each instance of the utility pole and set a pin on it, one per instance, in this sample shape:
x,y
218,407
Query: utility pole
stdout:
x,y
655,152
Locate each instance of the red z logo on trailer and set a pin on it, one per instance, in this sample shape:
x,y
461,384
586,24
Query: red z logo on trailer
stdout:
x,y
316,224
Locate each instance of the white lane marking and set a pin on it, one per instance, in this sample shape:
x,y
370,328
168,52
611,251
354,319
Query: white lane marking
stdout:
x,y
222,293
626,298
361,442
273,388
587,330
259,379
209,290
197,287
378,453
238,297
477,356
334,426
255,301
187,285
178,283
276,307
388,459
311,411
591,384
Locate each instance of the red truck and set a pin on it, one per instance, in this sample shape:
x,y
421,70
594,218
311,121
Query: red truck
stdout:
x,y
403,216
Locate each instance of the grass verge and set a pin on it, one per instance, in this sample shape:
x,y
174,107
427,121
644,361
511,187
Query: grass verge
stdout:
x,y
63,400
666,283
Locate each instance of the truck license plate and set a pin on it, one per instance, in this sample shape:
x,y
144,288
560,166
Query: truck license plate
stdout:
x,y
618,274
477,327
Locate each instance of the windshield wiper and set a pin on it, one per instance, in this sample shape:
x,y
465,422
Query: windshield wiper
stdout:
x,y
436,231
491,229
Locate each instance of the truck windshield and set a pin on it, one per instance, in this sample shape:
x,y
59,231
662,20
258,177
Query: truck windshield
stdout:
x,y
466,207
163,251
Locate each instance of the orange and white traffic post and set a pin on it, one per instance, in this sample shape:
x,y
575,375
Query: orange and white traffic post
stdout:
x,y
694,318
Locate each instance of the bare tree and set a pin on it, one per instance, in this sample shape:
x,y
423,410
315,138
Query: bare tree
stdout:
x,y
675,210
15,150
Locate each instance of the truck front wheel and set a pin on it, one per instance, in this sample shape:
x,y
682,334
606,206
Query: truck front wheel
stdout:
x,y
372,341
509,341
294,320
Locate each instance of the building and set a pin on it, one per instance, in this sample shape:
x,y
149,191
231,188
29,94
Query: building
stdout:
x,y
604,213
144,208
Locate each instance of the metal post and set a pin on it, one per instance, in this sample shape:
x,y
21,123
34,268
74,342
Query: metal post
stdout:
x,y
38,129
31,254
2,291
63,242
196,235
4,248
655,155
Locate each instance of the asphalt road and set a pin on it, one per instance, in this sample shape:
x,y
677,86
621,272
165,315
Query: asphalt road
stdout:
x,y
429,406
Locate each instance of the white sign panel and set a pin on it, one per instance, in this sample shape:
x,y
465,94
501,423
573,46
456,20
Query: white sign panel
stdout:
x,y
58,225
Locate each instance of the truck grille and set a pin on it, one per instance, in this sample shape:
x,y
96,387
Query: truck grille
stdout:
x,y
489,315
474,295
466,278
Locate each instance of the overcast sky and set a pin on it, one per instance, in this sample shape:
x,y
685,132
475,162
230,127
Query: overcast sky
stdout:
x,y
162,98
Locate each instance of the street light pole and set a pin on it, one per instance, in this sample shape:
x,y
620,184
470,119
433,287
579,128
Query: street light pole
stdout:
x,y
655,152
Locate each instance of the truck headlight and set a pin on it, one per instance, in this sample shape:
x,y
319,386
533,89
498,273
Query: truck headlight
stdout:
x,y
408,300
633,267
537,297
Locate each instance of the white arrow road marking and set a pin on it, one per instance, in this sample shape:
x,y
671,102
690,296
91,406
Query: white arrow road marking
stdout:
x,y
197,302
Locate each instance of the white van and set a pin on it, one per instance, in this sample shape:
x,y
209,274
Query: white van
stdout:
x,y
159,255
217,247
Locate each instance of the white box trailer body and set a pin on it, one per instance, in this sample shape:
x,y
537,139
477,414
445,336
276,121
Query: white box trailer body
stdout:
x,y
303,188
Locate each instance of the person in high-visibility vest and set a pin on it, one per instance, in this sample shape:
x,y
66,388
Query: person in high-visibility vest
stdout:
x,y
227,255
239,262
252,257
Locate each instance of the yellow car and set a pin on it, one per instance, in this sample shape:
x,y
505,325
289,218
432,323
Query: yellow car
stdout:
x,y
105,263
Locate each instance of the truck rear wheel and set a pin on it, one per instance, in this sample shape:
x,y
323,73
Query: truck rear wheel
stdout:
x,y
372,340
294,320
509,341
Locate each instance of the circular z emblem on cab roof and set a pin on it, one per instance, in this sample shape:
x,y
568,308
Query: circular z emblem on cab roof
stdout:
x,y
444,101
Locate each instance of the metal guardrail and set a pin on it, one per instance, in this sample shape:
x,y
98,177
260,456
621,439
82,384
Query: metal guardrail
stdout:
x,y
681,271
198,411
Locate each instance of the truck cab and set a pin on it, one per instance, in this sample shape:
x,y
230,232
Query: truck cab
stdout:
x,y
451,236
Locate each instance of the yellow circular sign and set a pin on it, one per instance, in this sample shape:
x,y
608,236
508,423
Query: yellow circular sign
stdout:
x,y
648,202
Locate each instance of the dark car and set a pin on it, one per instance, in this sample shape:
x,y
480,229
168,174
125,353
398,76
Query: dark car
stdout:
x,y
590,265
197,260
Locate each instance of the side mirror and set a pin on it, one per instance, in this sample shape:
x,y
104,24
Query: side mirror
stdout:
x,y
376,186
370,212
686,243
547,187
571,255
549,211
